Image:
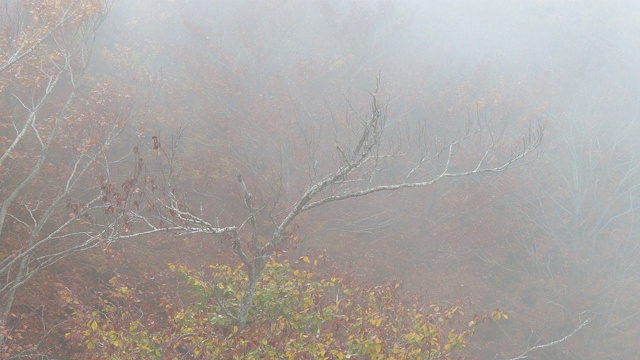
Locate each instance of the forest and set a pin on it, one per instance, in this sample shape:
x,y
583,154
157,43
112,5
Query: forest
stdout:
x,y
319,179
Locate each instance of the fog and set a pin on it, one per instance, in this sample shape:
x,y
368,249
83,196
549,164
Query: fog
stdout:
x,y
523,113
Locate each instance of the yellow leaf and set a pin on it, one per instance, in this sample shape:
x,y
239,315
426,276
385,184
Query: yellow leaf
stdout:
x,y
504,316
94,325
305,259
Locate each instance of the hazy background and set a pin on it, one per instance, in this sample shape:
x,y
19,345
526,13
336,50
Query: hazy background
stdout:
x,y
551,242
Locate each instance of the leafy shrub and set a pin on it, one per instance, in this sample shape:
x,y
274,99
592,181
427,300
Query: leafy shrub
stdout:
x,y
297,314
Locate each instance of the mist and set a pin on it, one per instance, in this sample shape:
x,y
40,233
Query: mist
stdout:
x,y
483,154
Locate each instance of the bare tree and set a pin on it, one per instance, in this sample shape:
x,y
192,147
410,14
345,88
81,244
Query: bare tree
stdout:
x,y
579,227
358,163
52,150
601,220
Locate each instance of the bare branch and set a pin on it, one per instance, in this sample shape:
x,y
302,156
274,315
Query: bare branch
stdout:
x,y
525,354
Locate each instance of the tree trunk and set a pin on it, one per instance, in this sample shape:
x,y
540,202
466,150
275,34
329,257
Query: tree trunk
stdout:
x,y
250,291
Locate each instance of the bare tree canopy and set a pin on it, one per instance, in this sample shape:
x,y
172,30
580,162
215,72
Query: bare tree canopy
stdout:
x,y
356,172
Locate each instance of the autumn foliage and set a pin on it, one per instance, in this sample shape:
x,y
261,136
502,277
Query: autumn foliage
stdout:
x,y
158,157
296,314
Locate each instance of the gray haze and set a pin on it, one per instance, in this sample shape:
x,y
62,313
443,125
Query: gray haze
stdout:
x,y
276,90
573,238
